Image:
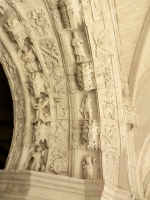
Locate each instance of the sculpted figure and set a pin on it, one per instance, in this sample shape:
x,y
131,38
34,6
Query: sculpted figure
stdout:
x,y
36,155
36,159
29,58
77,43
38,84
88,164
58,133
86,108
41,116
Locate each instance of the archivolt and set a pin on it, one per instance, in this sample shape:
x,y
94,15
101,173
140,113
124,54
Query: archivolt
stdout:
x,y
17,92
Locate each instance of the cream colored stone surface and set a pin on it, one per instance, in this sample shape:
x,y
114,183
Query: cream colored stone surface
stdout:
x,y
75,116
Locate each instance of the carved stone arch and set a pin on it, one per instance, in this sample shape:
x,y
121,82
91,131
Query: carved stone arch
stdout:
x,y
137,70
77,100
18,95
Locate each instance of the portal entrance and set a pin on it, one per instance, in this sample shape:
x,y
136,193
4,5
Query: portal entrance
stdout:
x,y
6,118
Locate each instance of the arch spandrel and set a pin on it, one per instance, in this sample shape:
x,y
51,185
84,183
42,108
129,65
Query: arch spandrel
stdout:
x,y
76,98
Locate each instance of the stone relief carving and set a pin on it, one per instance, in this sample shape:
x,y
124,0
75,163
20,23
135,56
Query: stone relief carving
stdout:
x,y
102,43
79,52
29,59
38,21
87,166
77,135
38,83
58,74
112,165
109,106
84,75
109,138
86,108
59,161
61,108
104,75
41,134
37,159
96,8
64,13
20,109
60,88
51,53
87,11
3,7
89,134
15,22
69,14
60,129
42,114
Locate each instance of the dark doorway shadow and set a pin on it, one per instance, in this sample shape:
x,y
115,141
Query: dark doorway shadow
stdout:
x,y
6,118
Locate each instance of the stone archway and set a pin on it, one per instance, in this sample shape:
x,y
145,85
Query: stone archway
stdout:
x,y
71,101
6,118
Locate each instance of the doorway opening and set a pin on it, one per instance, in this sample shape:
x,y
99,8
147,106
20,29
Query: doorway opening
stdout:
x,y
6,118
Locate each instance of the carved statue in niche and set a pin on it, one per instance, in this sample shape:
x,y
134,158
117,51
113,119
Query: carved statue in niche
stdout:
x,y
102,42
59,161
88,164
38,21
37,158
30,60
42,116
77,43
51,53
64,13
38,84
3,7
109,107
86,108
84,76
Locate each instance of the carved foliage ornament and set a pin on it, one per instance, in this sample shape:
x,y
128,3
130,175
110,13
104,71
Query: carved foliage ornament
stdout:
x,y
38,21
84,75
59,161
109,135
102,43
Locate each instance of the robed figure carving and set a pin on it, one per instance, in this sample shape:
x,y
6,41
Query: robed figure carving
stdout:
x,y
77,43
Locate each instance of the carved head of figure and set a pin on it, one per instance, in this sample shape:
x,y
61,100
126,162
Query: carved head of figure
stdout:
x,y
75,34
38,149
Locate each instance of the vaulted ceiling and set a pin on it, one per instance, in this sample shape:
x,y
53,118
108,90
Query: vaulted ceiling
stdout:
x,y
131,15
